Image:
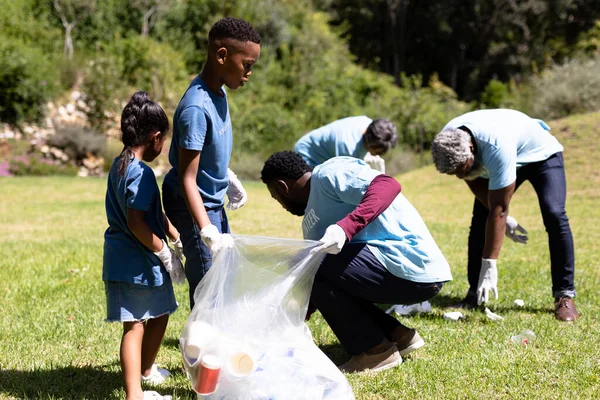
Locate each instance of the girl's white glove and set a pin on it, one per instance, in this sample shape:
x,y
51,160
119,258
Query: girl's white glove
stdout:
x,y
171,263
235,192
488,280
178,247
332,241
512,227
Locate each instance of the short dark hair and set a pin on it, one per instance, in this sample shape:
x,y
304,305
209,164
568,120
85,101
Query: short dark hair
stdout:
x,y
284,164
382,133
233,28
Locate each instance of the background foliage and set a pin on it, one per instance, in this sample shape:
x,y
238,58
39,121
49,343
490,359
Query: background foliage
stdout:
x,y
417,63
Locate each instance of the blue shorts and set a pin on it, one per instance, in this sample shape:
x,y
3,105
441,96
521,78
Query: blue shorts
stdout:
x,y
127,302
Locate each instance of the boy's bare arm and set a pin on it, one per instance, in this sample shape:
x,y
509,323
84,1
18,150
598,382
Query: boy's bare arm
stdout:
x,y
142,231
189,161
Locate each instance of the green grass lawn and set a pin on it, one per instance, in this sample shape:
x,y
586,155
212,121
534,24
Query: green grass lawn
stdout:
x,y
55,344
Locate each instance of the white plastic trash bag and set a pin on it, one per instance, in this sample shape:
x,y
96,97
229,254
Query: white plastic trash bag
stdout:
x,y
246,337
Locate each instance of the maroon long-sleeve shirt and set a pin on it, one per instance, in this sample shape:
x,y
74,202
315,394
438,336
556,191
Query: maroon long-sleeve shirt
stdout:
x,y
379,195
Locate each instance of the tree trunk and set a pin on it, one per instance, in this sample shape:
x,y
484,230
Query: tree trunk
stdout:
x,y
145,24
69,41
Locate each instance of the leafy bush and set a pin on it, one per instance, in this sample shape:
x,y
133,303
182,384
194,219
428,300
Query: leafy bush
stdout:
x,y
495,94
39,166
77,142
567,89
27,81
131,64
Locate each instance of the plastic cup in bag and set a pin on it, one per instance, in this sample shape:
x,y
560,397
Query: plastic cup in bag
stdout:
x,y
241,364
208,375
199,335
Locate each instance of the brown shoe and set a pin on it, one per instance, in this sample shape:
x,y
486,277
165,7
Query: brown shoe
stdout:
x,y
565,310
374,363
407,340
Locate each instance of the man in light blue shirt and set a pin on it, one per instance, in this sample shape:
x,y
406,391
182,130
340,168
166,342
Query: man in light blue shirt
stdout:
x,y
495,151
378,251
357,137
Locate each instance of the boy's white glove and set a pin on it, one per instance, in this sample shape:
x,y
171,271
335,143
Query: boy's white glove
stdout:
x,y
488,280
332,241
178,247
512,227
171,263
215,240
375,162
235,192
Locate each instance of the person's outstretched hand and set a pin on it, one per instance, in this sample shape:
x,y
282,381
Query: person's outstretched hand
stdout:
x,y
235,192
215,240
332,241
488,280
512,227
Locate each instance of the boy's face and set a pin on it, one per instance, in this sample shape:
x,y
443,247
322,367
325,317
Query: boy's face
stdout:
x,y
236,60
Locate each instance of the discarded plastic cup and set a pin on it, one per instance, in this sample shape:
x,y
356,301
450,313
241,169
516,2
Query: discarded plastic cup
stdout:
x,y
524,338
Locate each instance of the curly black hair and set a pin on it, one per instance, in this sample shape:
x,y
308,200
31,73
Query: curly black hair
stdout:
x,y
284,164
233,28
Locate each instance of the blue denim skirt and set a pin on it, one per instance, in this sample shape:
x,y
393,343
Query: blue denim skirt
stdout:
x,y
127,302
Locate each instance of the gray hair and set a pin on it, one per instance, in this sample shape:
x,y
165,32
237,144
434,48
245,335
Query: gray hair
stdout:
x,y
450,149
382,133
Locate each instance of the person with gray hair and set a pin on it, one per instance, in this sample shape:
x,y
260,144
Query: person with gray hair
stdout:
x,y
358,137
495,151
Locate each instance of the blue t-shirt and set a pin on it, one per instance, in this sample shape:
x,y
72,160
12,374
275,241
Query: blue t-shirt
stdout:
x,y
507,140
202,123
126,259
398,237
343,137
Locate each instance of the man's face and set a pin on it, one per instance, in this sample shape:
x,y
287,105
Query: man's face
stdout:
x,y
470,170
237,65
282,194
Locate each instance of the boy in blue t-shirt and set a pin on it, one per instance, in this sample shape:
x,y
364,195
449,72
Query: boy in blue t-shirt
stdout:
x,y
358,137
194,189
379,251
495,151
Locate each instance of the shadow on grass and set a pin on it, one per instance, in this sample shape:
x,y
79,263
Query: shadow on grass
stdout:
x,y
171,342
64,383
335,352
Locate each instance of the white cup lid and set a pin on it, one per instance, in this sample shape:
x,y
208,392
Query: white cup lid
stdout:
x,y
211,361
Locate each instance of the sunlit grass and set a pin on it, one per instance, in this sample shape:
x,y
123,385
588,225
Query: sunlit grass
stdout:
x,y
55,344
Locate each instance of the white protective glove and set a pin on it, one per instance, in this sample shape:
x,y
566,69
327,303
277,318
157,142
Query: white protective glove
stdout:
x,y
171,263
215,240
178,247
488,280
375,162
235,192
512,227
332,241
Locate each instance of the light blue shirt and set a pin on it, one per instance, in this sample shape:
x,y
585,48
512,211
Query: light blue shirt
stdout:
x,y
398,237
126,259
202,123
507,140
343,137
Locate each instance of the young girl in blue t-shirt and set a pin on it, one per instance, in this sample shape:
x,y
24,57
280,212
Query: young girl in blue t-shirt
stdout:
x,y
138,265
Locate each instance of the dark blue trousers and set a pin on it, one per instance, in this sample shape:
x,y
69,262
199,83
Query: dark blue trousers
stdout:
x,y
345,288
198,258
548,180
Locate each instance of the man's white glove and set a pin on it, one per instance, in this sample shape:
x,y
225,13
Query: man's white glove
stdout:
x,y
512,227
171,263
488,280
235,192
215,240
375,162
178,247
332,241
